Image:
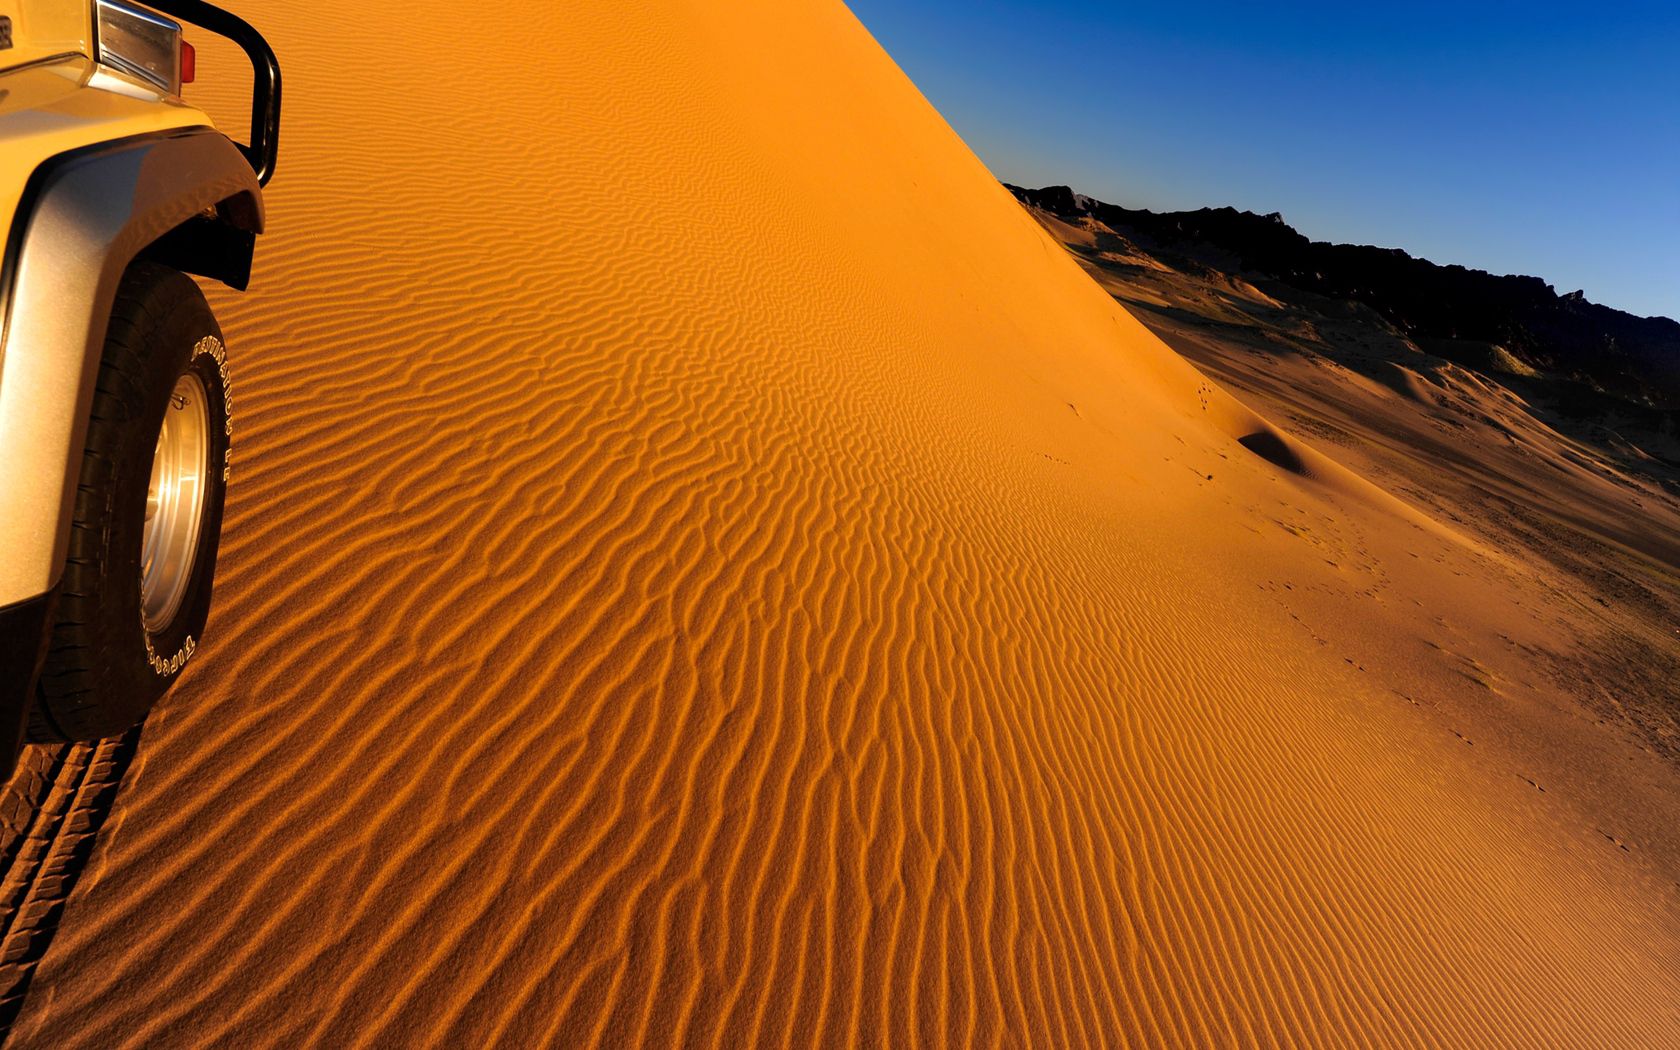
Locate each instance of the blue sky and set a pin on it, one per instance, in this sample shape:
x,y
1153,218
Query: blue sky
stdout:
x,y
1539,138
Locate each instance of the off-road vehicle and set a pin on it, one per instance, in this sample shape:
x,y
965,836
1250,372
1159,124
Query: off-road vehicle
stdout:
x,y
114,408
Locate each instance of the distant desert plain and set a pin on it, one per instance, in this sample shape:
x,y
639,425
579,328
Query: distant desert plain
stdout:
x,y
705,565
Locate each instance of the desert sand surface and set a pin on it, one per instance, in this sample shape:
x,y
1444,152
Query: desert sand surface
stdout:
x,y
703,567
1580,491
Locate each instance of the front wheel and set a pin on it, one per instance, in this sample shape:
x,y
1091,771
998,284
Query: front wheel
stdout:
x,y
135,593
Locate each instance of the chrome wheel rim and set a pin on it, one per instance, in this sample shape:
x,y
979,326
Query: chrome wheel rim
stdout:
x,y
175,503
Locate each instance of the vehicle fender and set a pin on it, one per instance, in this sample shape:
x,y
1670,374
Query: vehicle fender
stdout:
x,y
86,216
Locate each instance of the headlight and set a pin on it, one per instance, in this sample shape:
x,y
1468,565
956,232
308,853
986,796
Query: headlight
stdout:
x,y
141,43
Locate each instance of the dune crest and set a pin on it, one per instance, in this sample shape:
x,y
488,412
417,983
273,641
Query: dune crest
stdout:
x,y
704,568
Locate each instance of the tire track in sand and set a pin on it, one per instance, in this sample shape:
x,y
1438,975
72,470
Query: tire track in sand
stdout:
x,y
51,813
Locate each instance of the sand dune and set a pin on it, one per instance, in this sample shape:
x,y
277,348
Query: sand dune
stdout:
x,y
704,568
1562,668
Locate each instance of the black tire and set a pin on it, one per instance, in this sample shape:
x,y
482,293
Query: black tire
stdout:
x,y
104,669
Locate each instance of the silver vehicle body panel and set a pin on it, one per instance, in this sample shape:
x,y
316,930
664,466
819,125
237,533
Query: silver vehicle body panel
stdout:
x,y
88,215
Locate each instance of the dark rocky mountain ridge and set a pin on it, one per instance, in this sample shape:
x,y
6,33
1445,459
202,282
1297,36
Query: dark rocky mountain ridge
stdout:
x,y
1632,359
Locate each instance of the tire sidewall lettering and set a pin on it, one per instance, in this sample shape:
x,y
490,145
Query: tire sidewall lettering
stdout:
x,y
211,347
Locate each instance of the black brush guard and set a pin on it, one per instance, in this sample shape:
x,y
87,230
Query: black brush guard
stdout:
x,y
265,75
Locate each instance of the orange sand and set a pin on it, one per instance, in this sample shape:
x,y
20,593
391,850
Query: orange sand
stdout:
x,y
704,567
